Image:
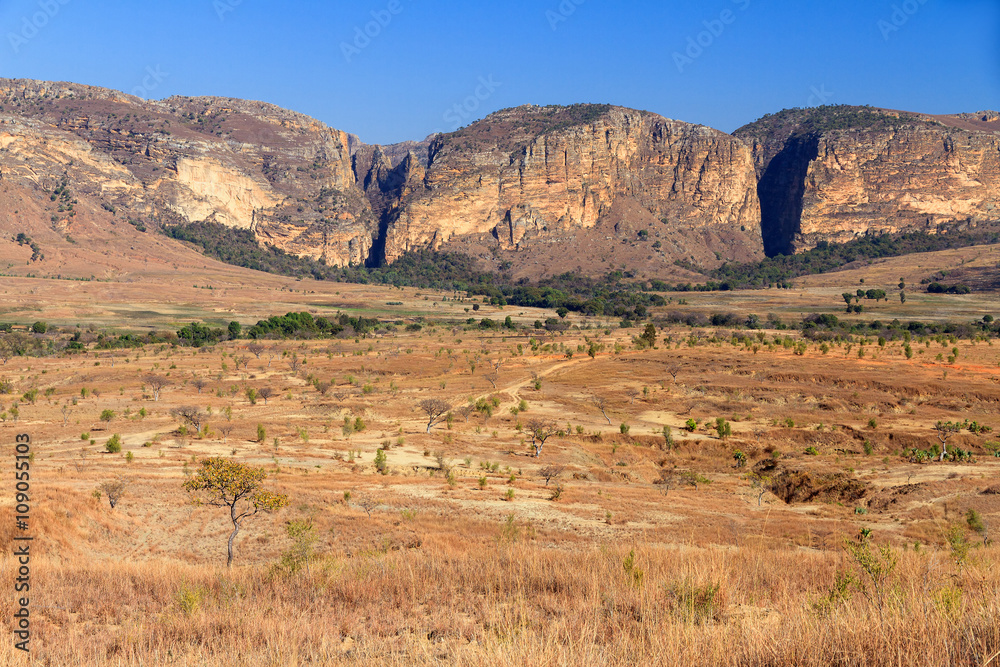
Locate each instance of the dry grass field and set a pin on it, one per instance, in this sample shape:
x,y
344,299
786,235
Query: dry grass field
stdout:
x,y
688,546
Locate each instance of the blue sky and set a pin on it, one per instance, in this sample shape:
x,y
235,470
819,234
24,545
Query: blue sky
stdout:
x,y
390,70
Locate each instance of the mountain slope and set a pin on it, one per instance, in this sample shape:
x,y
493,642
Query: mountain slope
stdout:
x,y
522,180
836,173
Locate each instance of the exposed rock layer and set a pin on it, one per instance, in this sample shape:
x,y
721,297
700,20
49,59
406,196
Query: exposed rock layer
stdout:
x,y
537,190
524,174
517,179
837,174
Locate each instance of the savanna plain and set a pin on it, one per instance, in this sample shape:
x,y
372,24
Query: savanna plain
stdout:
x,y
451,483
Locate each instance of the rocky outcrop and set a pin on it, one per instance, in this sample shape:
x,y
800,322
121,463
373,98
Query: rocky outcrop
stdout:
x,y
530,190
523,175
244,164
836,173
517,181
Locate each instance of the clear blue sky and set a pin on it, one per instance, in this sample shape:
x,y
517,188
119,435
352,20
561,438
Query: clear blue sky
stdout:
x,y
935,56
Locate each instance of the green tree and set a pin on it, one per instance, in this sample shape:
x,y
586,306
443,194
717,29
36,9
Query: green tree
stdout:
x,y
304,537
236,487
39,327
381,462
648,336
944,431
235,329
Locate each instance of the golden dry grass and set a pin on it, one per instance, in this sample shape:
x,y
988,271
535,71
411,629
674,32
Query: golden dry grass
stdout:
x,y
420,568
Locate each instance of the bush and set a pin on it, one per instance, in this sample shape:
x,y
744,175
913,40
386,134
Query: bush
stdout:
x,y
380,461
107,415
114,444
695,604
39,327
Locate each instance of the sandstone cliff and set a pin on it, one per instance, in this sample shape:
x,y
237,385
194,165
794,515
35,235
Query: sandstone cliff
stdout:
x,y
586,187
524,177
836,173
534,191
244,164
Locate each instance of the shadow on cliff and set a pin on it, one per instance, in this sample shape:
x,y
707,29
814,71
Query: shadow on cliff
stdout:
x,y
781,189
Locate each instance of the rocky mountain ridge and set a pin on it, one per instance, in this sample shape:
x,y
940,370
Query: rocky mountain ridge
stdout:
x,y
530,190
836,173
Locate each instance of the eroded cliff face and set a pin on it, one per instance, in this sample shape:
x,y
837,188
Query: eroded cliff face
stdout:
x,y
533,190
243,164
526,175
517,181
837,174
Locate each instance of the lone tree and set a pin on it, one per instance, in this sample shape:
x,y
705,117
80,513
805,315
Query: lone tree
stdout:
x,y
156,384
492,377
602,404
189,414
255,348
648,337
225,483
265,393
435,409
760,483
549,473
540,432
114,490
944,431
